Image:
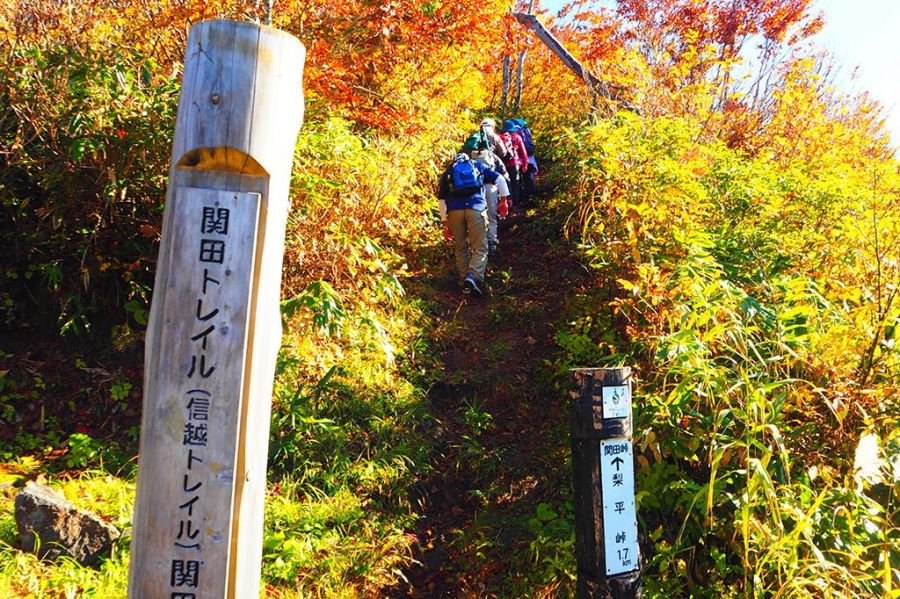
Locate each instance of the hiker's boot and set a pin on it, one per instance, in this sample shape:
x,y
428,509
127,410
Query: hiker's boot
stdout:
x,y
471,288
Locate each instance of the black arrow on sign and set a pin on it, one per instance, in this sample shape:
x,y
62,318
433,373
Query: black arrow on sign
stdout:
x,y
618,462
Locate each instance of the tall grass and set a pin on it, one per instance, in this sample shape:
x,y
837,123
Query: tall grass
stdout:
x,y
755,378
350,416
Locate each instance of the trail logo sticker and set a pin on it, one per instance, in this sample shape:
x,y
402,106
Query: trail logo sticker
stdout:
x,y
617,402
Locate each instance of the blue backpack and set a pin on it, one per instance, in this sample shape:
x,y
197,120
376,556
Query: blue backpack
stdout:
x,y
526,135
466,179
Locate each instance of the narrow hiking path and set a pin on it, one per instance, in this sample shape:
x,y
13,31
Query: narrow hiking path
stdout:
x,y
500,444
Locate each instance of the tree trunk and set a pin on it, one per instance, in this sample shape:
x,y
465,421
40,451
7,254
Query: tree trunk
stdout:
x,y
504,93
520,69
267,10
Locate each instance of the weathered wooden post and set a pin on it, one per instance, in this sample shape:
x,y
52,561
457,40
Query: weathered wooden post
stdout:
x,y
606,543
214,328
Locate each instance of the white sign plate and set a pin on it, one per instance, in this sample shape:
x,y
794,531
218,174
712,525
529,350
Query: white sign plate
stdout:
x,y
186,480
620,542
617,402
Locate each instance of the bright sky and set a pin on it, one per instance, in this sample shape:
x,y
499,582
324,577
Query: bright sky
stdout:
x,y
864,37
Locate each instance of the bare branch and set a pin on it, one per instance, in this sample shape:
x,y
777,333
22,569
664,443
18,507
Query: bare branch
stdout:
x,y
599,86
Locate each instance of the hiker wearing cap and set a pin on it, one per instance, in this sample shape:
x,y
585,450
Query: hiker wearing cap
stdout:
x,y
488,129
479,148
525,132
517,163
464,214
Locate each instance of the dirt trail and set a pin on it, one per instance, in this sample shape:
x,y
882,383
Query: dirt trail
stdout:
x,y
500,437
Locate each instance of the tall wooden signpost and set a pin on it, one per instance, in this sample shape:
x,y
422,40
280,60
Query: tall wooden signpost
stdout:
x,y
606,533
214,328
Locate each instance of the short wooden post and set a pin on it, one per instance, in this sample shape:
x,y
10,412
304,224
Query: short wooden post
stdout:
x,y
606,544
214,329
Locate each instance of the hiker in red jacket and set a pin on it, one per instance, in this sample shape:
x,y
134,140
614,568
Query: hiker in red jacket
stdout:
x,y
531,173
517,163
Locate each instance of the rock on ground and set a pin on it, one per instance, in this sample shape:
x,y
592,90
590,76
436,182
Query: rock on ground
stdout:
x,y
51,526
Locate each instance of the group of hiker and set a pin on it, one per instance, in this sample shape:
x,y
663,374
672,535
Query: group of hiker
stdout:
x,y
493,174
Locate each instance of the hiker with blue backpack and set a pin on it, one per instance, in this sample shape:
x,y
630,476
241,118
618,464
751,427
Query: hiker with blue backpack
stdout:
x,y
478,146
463,210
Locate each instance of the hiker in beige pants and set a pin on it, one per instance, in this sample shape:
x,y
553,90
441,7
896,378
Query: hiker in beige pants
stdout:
x,y
464,214
469,228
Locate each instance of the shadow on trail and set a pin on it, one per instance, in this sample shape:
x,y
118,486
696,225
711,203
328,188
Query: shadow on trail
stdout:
x,y
500,437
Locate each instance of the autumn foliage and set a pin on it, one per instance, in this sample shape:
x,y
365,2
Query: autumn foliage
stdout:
x,y
88,92
741,227
744,231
